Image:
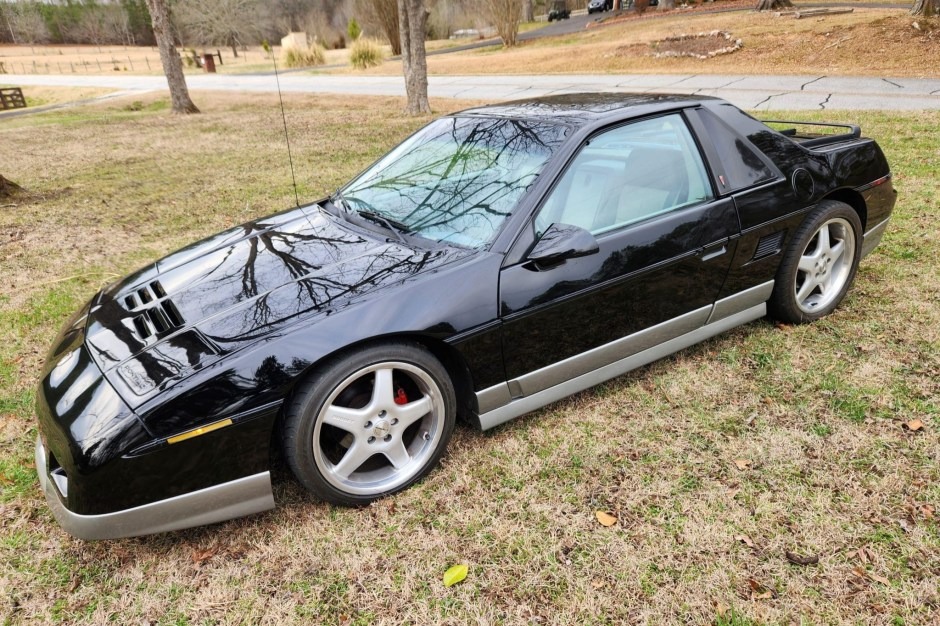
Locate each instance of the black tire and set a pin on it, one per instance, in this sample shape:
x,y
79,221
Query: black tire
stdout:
x,y
390,408
818,265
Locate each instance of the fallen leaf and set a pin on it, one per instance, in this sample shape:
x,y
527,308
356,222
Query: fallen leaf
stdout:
x,y
745,540
914,425
721,609
455,574
201,556
759,591
797,559
598,584
927,510
860,573
862,556
742,464
606,519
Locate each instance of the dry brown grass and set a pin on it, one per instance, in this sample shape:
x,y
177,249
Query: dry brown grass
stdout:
x,y
866,42
41,96
119,60
716,461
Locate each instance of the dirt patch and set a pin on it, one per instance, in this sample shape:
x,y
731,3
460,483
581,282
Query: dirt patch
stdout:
x,y
699,46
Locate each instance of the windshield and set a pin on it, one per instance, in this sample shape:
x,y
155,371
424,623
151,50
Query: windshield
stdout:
x,y
458,178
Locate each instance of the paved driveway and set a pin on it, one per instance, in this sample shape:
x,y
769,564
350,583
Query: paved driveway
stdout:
x,y
749,92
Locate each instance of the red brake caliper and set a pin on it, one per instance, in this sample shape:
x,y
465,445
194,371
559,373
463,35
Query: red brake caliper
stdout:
x,y
400,397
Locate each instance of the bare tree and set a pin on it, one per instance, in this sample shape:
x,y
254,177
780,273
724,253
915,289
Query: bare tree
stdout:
x,y
666,5
381,15
412,25
770,5
99,24
172,66
926,8
225,22
528,11
505,16
25,23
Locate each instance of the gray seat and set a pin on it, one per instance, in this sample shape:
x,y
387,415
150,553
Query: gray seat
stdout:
x,y
655,180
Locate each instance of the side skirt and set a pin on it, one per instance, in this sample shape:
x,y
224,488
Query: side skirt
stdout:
x,y
872,238
519,406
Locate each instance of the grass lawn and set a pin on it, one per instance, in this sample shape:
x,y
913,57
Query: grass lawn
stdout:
x,y
715,462
868,42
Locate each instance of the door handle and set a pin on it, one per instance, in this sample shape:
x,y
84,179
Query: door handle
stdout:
x,y
713,254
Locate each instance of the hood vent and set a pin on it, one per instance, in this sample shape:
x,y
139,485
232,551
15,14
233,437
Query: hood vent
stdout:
x,y
144,295
158,315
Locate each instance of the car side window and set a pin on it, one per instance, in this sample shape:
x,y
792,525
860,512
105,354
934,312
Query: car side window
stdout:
x,y
628,174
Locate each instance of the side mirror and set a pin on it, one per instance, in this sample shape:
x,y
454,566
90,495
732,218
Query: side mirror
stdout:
x,y
561,242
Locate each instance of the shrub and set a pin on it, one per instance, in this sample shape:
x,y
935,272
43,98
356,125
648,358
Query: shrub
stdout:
x,y
366,53
353,29
298,57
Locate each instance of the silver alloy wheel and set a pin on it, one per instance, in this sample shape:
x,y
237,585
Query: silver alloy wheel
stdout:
x,y
825,265
377,445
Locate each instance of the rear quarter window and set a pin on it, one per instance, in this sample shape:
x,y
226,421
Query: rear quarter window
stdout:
x,y
742,163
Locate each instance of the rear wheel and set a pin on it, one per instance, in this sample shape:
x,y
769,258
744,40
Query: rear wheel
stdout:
x,y
369,423
819,266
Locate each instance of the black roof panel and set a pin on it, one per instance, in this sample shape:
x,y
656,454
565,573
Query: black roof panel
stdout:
x,y
581,108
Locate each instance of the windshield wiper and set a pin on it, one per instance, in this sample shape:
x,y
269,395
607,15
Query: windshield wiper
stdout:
x,y
393,225
341,204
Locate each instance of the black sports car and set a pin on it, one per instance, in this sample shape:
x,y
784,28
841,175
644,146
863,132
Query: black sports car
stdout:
x,y
497,260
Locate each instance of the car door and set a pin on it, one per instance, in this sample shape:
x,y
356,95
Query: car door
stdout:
x,y
664,247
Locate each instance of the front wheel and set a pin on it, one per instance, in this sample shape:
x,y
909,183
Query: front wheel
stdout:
x,y
819,265
369,423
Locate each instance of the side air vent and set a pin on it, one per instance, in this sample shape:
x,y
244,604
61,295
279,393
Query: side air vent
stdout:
x,y
769,245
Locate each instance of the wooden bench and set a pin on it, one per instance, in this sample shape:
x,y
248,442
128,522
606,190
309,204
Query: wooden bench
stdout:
x,y
12,98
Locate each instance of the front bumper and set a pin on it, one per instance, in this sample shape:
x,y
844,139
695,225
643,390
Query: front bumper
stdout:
x,y
237,498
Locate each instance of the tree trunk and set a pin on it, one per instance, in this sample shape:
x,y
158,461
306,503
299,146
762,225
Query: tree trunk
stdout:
x,y
528,12
8,187
926,8
666,5
769,5
412,26
172,66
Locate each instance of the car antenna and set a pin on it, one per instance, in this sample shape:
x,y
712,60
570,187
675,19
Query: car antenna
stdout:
x,y
286,136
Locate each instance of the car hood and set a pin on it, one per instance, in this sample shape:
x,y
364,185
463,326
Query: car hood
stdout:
x,y
189,309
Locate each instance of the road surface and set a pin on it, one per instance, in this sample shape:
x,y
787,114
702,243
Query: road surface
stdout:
x,y
749,92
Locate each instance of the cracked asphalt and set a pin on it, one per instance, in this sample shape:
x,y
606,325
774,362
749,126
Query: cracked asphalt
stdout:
x,y
771,92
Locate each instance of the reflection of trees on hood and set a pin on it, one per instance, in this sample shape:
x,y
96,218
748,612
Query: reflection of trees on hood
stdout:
x,y
465,173
298,254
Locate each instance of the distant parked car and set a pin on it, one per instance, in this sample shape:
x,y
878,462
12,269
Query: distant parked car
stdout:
x,y
560,11
599,6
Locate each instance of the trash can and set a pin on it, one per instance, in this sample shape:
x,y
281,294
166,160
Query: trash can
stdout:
x,y
208,62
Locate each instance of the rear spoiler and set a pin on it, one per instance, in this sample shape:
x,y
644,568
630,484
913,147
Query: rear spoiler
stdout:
x,y
853,132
